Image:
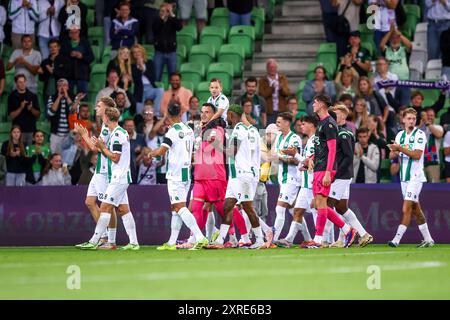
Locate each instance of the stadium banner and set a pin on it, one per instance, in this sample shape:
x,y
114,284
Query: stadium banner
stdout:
x,y
57,216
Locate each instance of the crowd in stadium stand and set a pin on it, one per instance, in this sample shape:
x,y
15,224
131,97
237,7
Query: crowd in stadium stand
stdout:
x,y
53,59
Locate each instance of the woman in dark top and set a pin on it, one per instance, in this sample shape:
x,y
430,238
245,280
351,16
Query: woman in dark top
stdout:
x,y
17,163
122,64
377,136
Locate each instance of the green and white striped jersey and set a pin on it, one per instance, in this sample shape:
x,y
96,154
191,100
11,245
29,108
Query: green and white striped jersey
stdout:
x,y
242,163
102,161
180,142
288,173
255,145
308,152
119,142
410,169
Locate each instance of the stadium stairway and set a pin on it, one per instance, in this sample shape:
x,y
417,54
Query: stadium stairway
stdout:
x,y
292,39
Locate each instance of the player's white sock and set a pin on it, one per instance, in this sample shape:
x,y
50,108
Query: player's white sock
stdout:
x,y
210,225
303,227
112,235
345,228
245,238
341,236
291,211
105,234
175,226
258,234
314,214
400,231
233,238
223,233
293,229
189,221
248,225
352,220
425,232
130,227
327,231
279,221
264,226
318,239
100,228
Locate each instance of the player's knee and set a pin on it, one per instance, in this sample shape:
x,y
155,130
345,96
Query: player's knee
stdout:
x,y
90,202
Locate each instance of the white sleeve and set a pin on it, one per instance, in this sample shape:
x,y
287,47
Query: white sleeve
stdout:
x,y
223,102
117,142
397,137
171,136
447,140
421,141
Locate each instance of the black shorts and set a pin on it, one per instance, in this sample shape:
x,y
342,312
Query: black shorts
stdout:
x,y
447,170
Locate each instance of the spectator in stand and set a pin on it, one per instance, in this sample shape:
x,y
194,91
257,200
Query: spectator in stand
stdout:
x,y
367,158
346,80
292,106
82,117
49,26
67,24
176,94
122,64
59,107
247,107
2,25
199,6
121,103
54,68
2,169
56,173
384,19
88,172
360,116
375,102
259,103
154,142
446,146
445,52
240,12
320,85
438,21
109,12
416,103
24,14
329,18
23,108
194,105
146,118
352,8
137,143
113,88
144,80
81,56
17,163
124,29
347,100
359,56
398,53
274,88
147,168
151,14
376,135
76,154
2,78
434,133
38,152
26,61
165,36
383,74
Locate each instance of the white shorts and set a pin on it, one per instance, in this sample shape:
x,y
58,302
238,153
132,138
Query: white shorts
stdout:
x,y
241,188
178,190
288,193
340,189
97,186
116,194
411,190
304,199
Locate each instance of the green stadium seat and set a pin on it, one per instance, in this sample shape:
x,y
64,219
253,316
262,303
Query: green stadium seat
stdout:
x,y
188,85
369,46
214,36
234,54
150,49
187,37
44,126
89,3
385,173
412,9
98,77
96,36
328,57
259,19
224,72
4,137
192,72
3,107
221,18
6,54
245,36
181,55
366,33
202,53
106,56
299,91
97,53
327,47
312,66
202,92
90,18
270,13
9,80
5,127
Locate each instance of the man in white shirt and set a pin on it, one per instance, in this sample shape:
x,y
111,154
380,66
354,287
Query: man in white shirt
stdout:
x,y
49,26
24,15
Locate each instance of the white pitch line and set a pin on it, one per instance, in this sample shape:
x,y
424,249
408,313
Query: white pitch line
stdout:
x,y
187,275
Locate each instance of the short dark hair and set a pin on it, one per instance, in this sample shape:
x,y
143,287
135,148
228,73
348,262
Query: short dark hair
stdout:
x,y
175,74
416,93
18,76
193,97
251,79
174,109
244,101
429,109
285,116
362,130
54,41
324,99
84,106
310,119
113,70
213,107
26,36
124,3
128,119
345,96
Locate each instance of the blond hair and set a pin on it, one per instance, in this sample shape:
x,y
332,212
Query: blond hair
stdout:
x,y
409,111
124,66
108,102
364,115
139,47
113,114
341,108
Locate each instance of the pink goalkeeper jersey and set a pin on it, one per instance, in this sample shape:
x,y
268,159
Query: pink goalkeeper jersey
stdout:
x,y
209,162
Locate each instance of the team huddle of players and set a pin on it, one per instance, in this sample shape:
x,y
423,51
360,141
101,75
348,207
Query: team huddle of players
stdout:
x,y
315,178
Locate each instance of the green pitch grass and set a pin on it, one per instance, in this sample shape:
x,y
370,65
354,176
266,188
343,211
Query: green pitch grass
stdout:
x,y
405,273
